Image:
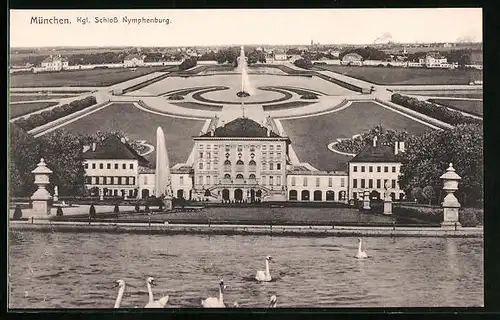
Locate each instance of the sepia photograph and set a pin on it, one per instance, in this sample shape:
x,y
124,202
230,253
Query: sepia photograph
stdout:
x,y
245,158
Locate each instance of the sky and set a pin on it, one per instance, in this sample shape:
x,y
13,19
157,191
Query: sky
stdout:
x,y
216,27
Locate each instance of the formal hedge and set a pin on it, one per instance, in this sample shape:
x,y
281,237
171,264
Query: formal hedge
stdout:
x,y
432,110
188,63
39,119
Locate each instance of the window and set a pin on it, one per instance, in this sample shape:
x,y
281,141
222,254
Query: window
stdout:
x,y
201,146
108,166
271,180
200,180
208,155
363,183
181,180
393,169
94,180
101,180
208,166
101,166
278,166
252,163
116,165
239,163
385,182
240,148
145,180
378,169
227,176
293,181
131,166
228,148
252,176
271,147
227,163
304,182
271,155
342,182
200,166
263,166
93,165
378,183
278,180
124,166
271,166
393,183
86,166
264,147
264,180
330,182
362,168
252,148
278,155
386,169
131,180
201,155
317,182
370,183
278,147
264,155
207,179
354,183
123,180
355,169
370,169
355,195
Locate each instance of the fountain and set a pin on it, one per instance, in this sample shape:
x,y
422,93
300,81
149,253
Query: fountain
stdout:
x,y
246,90
163,182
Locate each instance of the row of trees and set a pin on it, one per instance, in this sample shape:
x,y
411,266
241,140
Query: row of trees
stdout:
x,y
256,56
368,53
433,110
229,55
45,117
384,137
188,63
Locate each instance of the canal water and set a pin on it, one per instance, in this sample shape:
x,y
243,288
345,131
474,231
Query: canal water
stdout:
x,y
78,270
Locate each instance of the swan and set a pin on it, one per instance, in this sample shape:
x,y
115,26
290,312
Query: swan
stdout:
x,y
152,303
272,302
236,304
212,302
361,254
264,275
121,285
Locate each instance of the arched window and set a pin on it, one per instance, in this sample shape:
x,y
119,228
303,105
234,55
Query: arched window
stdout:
x,y
252,163
239,176
292,195
252,176
305,195
227,163
227,176
317,195
330,195
239,163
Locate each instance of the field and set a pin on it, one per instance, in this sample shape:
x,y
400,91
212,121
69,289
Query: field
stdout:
x,y
234,83
141,125
20,109
407,76
311,136
16,98
470,106
81,78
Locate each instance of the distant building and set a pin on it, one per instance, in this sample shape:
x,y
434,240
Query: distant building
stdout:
x,y
133,61
54,63
352,59
280,57
306,185
435,60
372,168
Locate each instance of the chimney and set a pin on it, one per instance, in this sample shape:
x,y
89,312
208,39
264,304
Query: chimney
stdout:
x,y
93,146
212,132
402,146
375,141
396,144
123,140
86,148
268,131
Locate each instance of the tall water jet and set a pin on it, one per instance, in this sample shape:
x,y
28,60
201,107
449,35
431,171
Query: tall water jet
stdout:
x,y
163,181
246,89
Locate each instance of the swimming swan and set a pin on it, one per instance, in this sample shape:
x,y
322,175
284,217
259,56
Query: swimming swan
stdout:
x,y
264,275
272,302
152,303
121,285
212,302
361,254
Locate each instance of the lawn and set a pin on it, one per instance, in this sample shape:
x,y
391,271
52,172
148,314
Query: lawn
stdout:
x,y
81,78
20,109
287,105
444,94
16,98
196,106
407,76
471,106
141,125
311,136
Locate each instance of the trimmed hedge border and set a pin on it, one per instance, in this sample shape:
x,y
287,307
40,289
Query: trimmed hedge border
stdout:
x,y
432,110
37,120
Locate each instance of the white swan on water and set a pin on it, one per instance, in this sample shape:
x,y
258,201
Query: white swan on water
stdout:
x,y
272,302
212,302
361,254
121,290
264,275
152,303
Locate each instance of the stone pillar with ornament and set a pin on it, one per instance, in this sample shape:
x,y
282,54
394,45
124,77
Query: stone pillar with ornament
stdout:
x,y
450,203
387,200
366,200
40,199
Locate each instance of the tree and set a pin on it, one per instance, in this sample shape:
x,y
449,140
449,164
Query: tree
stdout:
x,y
18,213
416,193
428,193
427,157
304,63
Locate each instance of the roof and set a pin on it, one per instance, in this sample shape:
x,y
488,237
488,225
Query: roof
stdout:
x,y
241,127
376,154
113,148
54,58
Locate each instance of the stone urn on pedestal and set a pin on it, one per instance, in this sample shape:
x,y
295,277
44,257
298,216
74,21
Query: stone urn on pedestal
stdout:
x,y
366,200
450,202
40,199
387,200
